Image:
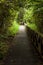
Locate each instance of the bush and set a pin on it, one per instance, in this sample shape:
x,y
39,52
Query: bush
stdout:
x,y
13,29
38,15
3,49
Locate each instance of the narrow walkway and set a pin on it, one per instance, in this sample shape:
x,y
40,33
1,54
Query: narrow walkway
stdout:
x,y
22,52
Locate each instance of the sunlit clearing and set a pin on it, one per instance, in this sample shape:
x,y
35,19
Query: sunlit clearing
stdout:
x,y
22,28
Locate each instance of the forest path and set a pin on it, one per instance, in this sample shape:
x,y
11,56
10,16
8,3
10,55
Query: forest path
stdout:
x,y
22,51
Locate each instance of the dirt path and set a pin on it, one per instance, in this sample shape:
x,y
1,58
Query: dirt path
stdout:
x,y
22,52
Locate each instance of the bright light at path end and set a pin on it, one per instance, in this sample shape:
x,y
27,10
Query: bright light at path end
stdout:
x,y
22,28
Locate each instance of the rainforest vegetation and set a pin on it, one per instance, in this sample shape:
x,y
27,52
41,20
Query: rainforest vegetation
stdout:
x,y
12,12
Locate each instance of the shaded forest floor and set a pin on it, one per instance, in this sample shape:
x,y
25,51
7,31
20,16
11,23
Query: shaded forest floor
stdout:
x,y
21,51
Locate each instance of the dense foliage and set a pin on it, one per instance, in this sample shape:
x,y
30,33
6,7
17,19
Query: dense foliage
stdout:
x,y
14,11
38,15
20,10
34,14
7,15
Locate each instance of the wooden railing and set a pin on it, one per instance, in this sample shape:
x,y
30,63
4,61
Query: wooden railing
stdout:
x,y
36,40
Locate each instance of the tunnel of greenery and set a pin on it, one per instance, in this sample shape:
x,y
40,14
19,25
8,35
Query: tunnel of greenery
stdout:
x,y
12,12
